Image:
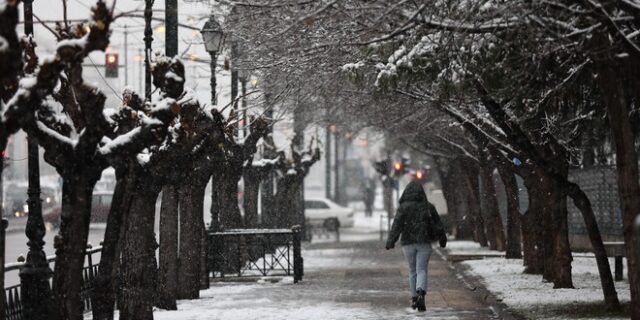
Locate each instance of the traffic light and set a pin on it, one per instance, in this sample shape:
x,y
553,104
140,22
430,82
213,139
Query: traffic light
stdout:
x,y
401,166
111,65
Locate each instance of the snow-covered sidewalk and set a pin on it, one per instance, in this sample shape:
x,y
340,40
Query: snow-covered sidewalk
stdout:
x,y
530,296
342,281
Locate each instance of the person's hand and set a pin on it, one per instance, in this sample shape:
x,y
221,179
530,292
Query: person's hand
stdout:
x,y
390,246
443,240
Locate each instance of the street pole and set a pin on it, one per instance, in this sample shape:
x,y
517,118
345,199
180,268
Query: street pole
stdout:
x,y
327,163
148,38
336,169
171,25
140,72
215,206
126,56
245,121
234,85
35,274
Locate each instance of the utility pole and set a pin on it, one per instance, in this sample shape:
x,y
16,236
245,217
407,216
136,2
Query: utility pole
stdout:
x,y
234,83
148,38
126,56
171,25
140,72
35,274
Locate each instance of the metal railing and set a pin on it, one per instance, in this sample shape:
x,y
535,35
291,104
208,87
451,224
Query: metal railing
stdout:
x,y
13,294
238,253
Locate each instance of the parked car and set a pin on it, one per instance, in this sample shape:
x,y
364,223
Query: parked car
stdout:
x,y
322,211
100,206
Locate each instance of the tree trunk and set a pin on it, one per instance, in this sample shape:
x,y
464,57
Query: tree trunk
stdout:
x,y
191,226
168,262
473,203
251,193
532,231
138,253
230,217
613,88
71,242
491,211
514,244
105,283
267,202
204,267
561,256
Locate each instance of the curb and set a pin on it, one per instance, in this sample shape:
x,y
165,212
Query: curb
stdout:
x,y
476,285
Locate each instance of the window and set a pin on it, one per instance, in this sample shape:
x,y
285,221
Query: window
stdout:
x,y
312,204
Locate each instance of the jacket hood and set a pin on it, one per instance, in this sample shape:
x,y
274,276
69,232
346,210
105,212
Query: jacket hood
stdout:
x,y
413,192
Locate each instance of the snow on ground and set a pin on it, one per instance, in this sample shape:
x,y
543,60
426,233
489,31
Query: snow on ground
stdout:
x,y
461,248
529,295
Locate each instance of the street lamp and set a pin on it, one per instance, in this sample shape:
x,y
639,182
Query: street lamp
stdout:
x,y
35,273
244,74
212,36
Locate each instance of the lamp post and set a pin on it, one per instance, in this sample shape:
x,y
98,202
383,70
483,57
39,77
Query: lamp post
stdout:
x,y
212,37
35,274
243,75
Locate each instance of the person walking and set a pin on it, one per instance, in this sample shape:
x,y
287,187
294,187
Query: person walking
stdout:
x,y
418,222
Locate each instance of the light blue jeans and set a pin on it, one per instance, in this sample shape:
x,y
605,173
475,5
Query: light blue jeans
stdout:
x,y
417,256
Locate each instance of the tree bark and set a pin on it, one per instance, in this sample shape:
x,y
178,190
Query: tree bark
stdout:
x,y
230,217
168,256
514,243
613,88
71,242
495,228
473,203
105,283
533,259
138,252
251,193
190,243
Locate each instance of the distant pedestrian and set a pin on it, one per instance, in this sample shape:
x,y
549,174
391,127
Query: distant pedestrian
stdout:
x,y
419,224
369,196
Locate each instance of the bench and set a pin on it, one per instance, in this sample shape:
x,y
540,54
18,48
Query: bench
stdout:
x,y
616,250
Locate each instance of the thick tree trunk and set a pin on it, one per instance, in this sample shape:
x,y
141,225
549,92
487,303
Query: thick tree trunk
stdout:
x,y
514,244
491,211
251,193
230,217
138,253
267,201
533,259
561,251
168,256
190,243
105,284
473,204
613,88
71,242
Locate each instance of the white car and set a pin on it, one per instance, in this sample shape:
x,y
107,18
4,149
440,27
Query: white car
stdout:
x,y
322,211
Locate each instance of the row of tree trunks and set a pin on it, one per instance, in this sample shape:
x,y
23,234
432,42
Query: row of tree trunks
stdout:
x,y
471,184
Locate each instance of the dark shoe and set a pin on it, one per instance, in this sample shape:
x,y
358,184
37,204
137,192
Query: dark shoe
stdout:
x,y
420,300
413,302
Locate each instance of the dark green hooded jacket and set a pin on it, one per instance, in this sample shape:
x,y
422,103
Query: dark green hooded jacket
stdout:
x,y
417,219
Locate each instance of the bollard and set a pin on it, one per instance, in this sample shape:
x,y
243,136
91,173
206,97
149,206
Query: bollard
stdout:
x,y
298,267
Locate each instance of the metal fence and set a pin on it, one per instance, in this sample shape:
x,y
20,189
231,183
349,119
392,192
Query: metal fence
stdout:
x,y
255,253
13,294
600,185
